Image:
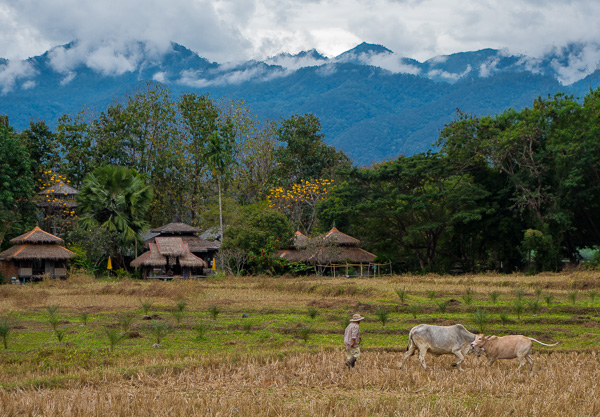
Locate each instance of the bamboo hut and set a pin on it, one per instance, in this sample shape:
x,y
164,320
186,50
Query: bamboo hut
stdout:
x,y
204,249
35,254
168,257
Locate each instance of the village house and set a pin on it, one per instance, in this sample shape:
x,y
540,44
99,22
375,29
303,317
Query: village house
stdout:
x,y
334,252
35,255
167,258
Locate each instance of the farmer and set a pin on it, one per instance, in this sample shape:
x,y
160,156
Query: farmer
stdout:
x,y
352,340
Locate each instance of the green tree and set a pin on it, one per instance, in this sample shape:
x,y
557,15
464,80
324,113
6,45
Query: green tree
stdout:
x,y
41,142
116,199
259,231
16,183
305,156
407,209
76,148
219,157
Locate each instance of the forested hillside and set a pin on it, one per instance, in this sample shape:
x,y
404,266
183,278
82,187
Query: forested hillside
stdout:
x,y
515,191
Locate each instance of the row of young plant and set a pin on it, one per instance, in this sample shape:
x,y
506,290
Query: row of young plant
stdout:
x,y
468,297
118,331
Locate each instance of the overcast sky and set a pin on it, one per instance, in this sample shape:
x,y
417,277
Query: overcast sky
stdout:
x,y
234,30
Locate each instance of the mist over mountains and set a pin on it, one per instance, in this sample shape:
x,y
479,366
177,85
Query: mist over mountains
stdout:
x,y
372,103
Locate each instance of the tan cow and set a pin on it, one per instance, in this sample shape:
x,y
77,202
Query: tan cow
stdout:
x,y
506,347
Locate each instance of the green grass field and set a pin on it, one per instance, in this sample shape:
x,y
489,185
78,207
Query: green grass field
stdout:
x,y
85,347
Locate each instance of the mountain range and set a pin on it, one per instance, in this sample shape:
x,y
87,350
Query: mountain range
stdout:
x,y
372,103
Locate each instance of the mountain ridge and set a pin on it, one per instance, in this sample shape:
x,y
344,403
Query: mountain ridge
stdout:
x,y
372,103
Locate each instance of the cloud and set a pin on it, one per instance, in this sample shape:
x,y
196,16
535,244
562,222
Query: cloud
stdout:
x,y
576,63
295,62
14,71
389,61
238,30
227,76
448,76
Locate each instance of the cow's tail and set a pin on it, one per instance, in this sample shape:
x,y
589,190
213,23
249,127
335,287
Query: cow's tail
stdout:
x,y
537,341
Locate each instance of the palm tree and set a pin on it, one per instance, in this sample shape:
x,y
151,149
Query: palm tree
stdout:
x,y
219,156
115,198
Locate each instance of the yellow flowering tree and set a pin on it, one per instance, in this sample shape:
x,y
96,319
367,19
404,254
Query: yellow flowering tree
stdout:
x,y
58,206
299,202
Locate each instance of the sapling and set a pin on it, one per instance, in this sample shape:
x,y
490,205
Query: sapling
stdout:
x,y
481,318
214,311
468,296
4,332
382,314
146,306
114,337
160,330
313,312
414,309
443,305
305,332
402,294
494,295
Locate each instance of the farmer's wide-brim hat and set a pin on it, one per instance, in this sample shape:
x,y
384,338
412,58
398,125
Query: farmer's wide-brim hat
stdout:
x,y
357,317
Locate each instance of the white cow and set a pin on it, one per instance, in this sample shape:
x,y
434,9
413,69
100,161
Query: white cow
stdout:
x,y
439,340
506,347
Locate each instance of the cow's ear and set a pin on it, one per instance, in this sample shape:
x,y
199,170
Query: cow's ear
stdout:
x,y
491,337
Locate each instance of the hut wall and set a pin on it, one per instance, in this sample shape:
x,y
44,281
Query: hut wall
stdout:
x,y
9,270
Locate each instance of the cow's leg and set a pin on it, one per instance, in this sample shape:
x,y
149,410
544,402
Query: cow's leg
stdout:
x,y
408,353
459,355
521,361
530,360
491,361
422,353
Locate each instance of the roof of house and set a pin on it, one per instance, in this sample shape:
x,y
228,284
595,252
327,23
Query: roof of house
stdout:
x,y
185,232
36,235
334,235
332,247
37,251
59,188
37,244
168,247
177,228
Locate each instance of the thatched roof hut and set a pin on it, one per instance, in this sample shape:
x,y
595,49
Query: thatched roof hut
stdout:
x,y
35,254
202,248
63,193
332,247
168,256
